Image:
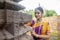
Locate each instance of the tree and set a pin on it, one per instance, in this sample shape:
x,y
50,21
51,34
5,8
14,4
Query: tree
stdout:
x,y
50,13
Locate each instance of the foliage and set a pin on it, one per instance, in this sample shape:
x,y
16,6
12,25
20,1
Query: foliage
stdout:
x,y
50,13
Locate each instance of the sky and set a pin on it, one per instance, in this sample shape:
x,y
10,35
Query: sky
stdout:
x,y
46,4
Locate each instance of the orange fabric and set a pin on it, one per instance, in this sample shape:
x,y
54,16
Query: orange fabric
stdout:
x,y
44,29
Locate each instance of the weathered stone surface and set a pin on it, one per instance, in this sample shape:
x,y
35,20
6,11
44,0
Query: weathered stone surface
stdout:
x,y
7,35
8,4
2,18
15,16
26,37
1,35
13,5
11,20
16,0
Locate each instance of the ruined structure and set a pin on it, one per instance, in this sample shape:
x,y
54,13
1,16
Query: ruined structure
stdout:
x,y
12,22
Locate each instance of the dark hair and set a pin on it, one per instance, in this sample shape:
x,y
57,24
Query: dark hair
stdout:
x,y
40,9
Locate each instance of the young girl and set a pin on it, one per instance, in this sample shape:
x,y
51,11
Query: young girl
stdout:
x,y
41,29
